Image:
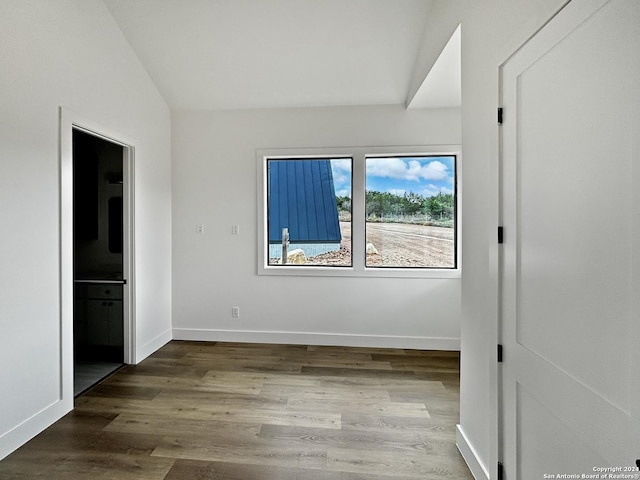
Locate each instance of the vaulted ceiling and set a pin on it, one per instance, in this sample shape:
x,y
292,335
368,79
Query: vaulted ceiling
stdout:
x,y
228,54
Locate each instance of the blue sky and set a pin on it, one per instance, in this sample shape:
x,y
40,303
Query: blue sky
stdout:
x,y
426,176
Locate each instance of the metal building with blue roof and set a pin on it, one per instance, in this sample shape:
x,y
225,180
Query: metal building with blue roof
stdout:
x,y
302,199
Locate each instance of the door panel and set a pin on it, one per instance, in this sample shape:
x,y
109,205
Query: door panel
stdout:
x,y
536,425
97,322
569,286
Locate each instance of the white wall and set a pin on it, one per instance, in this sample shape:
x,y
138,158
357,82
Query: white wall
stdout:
x,y
214,183
491,31
68,53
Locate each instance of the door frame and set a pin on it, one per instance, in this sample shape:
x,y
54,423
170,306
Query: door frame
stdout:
x,y
70,121
565,20
496,252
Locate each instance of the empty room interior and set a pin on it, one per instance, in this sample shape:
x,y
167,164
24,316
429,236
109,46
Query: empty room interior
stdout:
x,y
320,239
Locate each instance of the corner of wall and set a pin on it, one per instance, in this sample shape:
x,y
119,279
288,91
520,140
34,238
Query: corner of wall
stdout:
x,y
32,426
153,345
478,469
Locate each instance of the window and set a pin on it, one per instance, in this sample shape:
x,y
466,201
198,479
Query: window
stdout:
x,y
309,211
384,211
410,212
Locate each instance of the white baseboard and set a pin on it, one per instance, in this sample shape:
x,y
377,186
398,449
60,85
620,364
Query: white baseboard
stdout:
x,y
478,470
25,431
29,428
150,347
304,338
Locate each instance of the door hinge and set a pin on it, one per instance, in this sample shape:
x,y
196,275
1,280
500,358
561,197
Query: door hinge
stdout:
x,y
500,234
499,353
500,471
500,114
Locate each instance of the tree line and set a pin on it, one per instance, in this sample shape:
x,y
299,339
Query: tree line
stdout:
x,y
385,204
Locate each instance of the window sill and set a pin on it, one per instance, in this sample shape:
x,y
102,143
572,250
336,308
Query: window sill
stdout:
x,y
384,272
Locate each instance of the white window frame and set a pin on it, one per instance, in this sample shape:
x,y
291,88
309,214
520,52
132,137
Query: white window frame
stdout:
x,y
358,220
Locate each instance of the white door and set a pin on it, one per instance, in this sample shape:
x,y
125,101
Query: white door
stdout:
x,y
570,275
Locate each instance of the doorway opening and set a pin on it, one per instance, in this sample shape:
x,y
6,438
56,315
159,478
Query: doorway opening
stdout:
x,y
100,292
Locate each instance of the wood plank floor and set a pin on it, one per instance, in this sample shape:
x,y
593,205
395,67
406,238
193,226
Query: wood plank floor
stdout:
x,y
228,411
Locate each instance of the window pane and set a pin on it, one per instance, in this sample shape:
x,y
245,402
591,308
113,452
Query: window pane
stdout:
x,y
411,212
309,211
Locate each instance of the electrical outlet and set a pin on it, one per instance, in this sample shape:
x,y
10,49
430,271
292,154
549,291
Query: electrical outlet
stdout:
x,y
235,312
235,229
200,228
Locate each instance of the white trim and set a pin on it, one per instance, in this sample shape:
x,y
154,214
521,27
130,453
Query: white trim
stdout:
x,y
555,30
478,470
358,154
306,338
128,254
68,121
153,345
502,55
32,426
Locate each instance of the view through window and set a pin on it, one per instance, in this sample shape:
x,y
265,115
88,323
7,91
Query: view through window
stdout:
x,y
410,212
401,209
309,219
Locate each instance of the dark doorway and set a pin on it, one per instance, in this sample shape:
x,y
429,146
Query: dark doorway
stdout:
x,y
98,316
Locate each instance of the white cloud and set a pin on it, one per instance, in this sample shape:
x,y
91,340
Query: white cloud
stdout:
x,y
397,191
431,190
341,170
341,165
412,170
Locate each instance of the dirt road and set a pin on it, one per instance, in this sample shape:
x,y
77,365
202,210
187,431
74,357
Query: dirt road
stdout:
x,y
406,245
398,245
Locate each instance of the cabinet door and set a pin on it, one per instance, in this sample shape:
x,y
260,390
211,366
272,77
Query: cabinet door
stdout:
x,y
116,331
79,322
97,322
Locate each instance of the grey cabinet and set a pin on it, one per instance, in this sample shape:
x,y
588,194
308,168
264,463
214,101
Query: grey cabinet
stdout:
x,y
98,316
104,318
